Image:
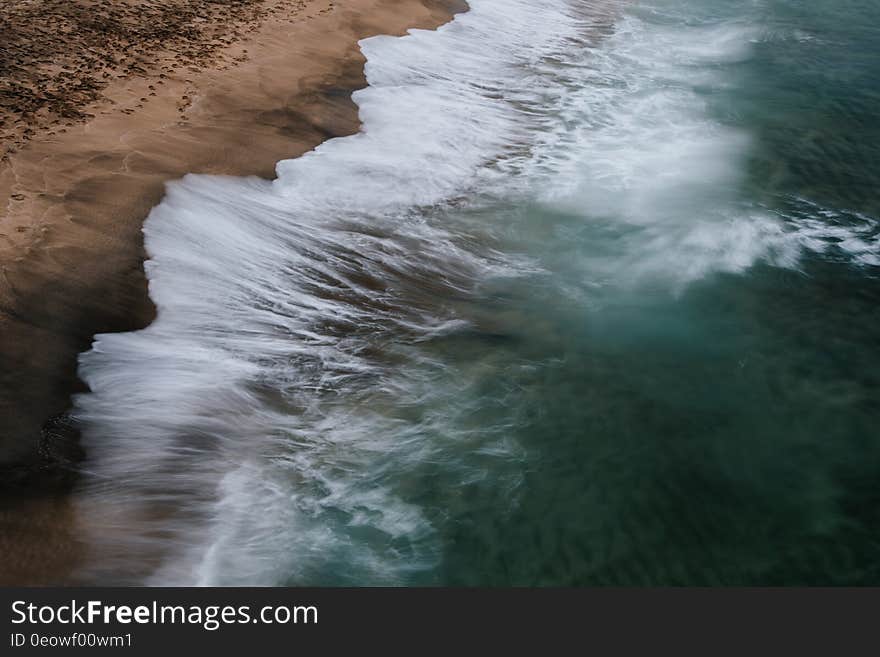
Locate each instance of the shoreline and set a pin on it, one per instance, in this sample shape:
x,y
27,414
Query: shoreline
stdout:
x,y
71,247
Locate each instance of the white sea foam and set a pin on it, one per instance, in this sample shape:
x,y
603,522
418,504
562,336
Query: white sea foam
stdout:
x,y
637,148
245,436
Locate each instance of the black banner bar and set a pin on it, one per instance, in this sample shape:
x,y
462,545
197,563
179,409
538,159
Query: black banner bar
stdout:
x,y
838,621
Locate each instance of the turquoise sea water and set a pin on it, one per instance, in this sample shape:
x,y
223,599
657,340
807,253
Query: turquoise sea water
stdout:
x,y
639,345
727,432
723,433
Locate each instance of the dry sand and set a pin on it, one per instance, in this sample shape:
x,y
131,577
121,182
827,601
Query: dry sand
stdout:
x,y
101,103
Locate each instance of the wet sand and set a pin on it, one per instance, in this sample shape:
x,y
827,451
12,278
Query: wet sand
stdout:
x,y
164,88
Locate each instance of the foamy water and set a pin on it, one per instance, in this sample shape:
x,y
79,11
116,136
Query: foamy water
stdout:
x,y
325,380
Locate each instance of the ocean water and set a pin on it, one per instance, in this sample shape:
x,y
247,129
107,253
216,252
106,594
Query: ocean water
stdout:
x,y
592,298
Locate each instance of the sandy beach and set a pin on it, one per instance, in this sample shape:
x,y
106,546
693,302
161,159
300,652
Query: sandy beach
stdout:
x,y
101,103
